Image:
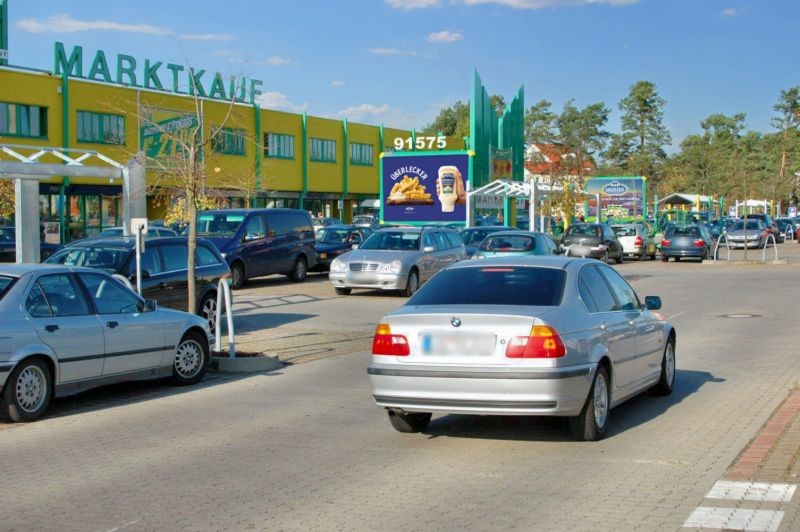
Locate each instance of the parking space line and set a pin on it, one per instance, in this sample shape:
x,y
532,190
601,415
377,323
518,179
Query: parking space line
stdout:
x,y
735,519
752,491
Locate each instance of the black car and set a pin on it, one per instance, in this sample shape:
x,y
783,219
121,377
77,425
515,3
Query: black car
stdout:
x,y
787,227
335,240
8,245
592,240
163,265
682,241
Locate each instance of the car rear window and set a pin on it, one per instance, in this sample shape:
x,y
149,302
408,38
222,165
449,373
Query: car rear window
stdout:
x,y
493,285
583,230
5,284
752,225
508,244
624,230
104,258
684,231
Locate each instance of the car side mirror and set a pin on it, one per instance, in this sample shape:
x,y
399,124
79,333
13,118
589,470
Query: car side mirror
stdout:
x,y
428,249
652,302
145,275
354,246
150,305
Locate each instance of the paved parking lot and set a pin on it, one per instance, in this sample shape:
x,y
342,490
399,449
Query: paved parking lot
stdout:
x,y
303,448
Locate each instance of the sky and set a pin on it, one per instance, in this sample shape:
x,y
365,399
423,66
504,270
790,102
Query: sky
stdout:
x,y
398,62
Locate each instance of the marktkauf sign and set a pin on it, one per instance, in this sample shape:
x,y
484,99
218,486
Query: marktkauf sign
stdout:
x,y
147,75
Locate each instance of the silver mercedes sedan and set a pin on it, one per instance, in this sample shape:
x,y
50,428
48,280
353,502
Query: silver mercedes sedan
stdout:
x,y
398,258
68,329
544,336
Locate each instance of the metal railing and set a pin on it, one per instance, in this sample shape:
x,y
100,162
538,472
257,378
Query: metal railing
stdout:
x,y
728,247
224,296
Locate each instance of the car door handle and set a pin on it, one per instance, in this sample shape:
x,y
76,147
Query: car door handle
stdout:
x,y
603,327
112,324
51,328
164,286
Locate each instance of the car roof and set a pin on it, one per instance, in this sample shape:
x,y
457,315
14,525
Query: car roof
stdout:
x,y
401,229
18,270
488,228
127,241
249,210
548,261
515,232
343,226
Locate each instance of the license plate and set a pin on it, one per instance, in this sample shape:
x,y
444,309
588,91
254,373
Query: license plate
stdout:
x,y
461,344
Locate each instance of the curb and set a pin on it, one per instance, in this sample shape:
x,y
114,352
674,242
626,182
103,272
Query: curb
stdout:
x,y
257,364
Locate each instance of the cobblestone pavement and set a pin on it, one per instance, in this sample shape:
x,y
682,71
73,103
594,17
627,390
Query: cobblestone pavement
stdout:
x,y
304,448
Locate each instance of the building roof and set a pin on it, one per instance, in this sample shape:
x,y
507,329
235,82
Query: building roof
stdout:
x,y
545,159
680,198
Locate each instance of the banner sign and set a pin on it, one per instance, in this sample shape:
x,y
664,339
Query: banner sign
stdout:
x,y
161,130
418,187
501,164
620,197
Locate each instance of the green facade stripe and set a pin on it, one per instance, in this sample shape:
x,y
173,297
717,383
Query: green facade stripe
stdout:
x,y
305,161
65,141
4,29
259,149
345,162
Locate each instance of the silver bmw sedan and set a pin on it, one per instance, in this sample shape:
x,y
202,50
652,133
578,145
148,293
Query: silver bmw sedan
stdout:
x,y
545,336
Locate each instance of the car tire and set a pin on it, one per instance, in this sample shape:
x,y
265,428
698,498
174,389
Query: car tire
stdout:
x,y
191,359
664,258
605,257
411,422
299,270
666,381
677,259
207,309
591,423
27,392
412,284
237,275
343,291
618,260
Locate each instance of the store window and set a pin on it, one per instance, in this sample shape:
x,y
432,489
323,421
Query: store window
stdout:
x,y
93,215
279,146
323,150
101,128
361,154
229,141
23,120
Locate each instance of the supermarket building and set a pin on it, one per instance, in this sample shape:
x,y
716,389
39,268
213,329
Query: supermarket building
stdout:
x,y
119,106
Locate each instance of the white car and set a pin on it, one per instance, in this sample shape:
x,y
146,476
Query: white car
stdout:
x,y
635,240
68,329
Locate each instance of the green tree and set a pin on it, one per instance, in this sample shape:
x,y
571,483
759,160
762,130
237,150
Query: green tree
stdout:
x,y
7,195
788,123
540,123
639,147
453,120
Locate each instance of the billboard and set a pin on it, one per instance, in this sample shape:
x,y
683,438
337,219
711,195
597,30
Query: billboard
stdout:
x,y
423,187
621,197
160,130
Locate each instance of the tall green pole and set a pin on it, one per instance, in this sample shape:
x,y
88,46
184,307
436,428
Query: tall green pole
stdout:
x,y
305,161
345,169
259,147
62,196
4,32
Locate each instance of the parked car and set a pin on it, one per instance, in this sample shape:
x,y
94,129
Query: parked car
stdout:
x,y
258,242
335,240
592,240
769,223
152,231
636,241
67,330
516,243
400,258
366,220
8,245
542,336
752,235
322,222
473,236
163,265
787,227
682,241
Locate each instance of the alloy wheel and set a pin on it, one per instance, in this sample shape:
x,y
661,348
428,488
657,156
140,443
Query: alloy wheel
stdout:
x,y
31,389
188,358
600,400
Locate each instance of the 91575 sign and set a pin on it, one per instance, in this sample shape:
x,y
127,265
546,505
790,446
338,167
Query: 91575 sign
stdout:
x,y
420,143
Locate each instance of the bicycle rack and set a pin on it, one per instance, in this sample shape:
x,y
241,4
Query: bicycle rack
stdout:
x,y
716,248
774,246
224,295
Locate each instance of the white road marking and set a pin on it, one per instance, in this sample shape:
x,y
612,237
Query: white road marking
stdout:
x,y
735,519
752,491
115,529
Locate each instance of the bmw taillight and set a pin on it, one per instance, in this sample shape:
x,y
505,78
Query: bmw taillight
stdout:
x,y
638,242
665,243
543,342
698,243
386,343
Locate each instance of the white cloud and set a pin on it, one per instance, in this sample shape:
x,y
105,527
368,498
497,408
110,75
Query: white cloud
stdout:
x,y
445,36
276,60
391,51
515,4
207,37
236,57
367,113
279,102
66,24
359,112
337,83
730,12
407,5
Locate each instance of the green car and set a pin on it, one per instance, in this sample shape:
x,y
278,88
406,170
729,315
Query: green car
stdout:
x,y
516,243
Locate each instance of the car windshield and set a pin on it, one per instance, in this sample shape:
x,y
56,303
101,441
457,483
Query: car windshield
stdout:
x,y
583,230
333,236
102,257
493,285
474,236
5,284
624,230
752,225
392,240
362,220
686,230
508,243
217,224
7,234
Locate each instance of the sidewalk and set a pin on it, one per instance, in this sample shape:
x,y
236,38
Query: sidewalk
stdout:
x,y
759,491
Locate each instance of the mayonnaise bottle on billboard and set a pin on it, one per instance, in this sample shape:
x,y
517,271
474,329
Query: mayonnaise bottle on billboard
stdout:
x,y
447,187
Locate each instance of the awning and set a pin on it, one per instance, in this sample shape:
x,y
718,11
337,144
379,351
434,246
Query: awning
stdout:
x,y
370,204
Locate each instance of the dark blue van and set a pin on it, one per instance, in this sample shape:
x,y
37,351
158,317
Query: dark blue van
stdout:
x,y
258,242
